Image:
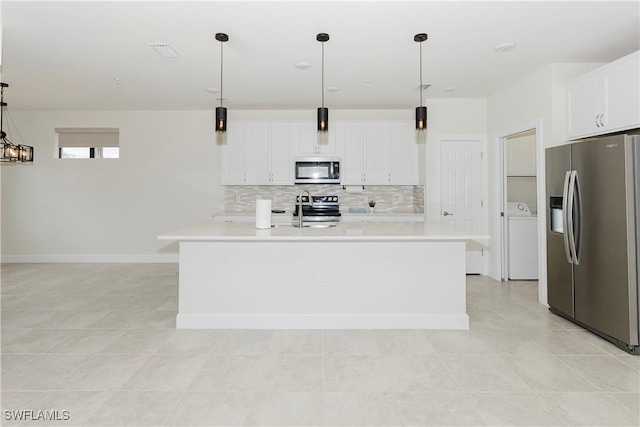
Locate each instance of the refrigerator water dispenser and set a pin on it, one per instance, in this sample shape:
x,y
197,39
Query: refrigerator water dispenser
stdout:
x,y
555,203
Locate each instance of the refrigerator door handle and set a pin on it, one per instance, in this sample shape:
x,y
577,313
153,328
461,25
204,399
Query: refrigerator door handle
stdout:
x,y
571,204
578,219
570,217
565,212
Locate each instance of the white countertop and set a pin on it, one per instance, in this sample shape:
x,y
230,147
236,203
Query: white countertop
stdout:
x,y
345,231
281,218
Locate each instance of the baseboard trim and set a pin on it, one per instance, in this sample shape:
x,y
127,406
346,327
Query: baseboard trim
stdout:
x,y
322,321
142,259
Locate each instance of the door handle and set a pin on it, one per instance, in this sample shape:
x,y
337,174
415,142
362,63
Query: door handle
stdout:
x,y
445,213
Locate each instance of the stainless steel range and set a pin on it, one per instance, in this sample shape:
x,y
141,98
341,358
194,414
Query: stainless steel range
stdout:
x,y
322,211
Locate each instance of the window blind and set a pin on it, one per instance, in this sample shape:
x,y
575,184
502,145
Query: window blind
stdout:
x,y
88,137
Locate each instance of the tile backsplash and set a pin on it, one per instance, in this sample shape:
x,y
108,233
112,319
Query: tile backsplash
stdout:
x,y
388,198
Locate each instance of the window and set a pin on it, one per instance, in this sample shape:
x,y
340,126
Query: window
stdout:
x,y
88,143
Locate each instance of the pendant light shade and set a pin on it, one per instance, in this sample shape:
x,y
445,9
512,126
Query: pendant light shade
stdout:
x,y
323,119
323,112
421,118
421,111
221,112
221,119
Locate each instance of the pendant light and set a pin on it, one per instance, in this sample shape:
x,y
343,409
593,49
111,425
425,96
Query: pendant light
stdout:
x,y
421,111
9,151
221,112
323,112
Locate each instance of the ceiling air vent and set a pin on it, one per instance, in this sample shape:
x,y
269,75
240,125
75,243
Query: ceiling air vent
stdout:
x,y
165,50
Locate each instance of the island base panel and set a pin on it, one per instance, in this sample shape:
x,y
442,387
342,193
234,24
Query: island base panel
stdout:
x,y
322,285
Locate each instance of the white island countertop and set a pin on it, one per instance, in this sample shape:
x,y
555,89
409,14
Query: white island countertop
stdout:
x,y
285,218
346,231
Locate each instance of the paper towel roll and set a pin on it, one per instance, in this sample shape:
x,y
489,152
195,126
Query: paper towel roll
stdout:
x,y
263,213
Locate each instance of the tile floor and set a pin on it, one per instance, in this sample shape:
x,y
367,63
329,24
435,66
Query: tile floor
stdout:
x,y
98,341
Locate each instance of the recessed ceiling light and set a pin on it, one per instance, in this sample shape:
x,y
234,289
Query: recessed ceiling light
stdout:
x,y
505,47
333,89
450,89
165,50
303,66
212,90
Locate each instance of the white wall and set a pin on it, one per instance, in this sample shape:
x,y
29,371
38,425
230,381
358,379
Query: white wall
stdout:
x,y
167,176
535,101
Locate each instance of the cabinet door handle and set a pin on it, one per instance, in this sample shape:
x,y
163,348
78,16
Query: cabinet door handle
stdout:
x,y
601,117
445,213
597,115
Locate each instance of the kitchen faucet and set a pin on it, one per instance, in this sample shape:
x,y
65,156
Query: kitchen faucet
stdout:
x,y
300,222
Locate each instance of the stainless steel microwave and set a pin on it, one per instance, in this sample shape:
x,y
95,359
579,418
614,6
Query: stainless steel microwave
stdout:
x,y
317,170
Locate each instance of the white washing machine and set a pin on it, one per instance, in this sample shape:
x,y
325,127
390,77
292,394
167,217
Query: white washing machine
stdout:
x,y
522,242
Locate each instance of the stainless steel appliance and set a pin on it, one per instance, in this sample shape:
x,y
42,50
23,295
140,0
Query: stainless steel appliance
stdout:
x,y
593,199
323,211
317,170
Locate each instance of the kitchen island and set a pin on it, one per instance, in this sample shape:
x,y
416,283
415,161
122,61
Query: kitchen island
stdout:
x,y
352,276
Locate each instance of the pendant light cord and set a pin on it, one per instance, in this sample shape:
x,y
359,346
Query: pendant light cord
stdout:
x,y
322,95
421,73
221,62
1,108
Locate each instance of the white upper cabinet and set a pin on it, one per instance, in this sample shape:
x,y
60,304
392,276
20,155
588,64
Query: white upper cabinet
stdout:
x,y
403,153
349,138
373,153
378,153
233,156
604,100
281,154
309,142
258,154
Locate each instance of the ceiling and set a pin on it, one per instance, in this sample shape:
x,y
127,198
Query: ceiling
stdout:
x,y
89,55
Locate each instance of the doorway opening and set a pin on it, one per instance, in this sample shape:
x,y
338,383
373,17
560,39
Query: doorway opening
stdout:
x,y
520,206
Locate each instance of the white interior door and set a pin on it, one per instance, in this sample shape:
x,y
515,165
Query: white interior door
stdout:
x,y
461,192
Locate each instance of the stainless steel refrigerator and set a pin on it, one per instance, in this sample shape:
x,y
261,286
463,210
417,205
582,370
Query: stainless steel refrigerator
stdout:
x,y
593,196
